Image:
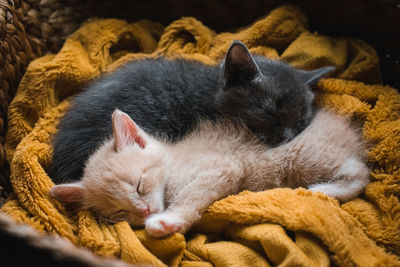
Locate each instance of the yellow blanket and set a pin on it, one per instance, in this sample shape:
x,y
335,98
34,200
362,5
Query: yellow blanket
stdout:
x,y
277,227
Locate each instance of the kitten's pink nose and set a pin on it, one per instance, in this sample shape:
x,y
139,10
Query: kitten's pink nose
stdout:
x,y
144,212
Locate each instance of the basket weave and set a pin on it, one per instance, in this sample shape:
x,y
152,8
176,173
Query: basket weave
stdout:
x,y
31,28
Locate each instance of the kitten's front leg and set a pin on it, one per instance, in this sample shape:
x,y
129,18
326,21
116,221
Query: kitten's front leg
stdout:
x,y
187,207
190,201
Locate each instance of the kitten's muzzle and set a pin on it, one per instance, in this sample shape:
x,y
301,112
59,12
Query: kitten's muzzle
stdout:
x,y
146,212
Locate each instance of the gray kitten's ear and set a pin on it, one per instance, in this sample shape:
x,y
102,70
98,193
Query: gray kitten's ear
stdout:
x,y
68,193
312,77
238,66
126,132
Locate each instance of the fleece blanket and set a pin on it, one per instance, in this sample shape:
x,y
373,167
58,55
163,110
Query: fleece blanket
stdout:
x,y
282,227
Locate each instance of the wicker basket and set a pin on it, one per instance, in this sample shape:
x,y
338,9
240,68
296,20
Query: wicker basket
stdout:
x,y
31,28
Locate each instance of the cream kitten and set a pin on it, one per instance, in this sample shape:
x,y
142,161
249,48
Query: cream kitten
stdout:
x,y
167,187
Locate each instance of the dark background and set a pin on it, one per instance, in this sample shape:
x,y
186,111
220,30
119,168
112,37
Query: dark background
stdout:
x,y
377,22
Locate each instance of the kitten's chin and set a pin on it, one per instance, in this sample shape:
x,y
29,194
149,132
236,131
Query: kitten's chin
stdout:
x,y
136,222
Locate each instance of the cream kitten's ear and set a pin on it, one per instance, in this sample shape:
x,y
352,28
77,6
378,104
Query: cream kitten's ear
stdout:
x,y
126,132
68,193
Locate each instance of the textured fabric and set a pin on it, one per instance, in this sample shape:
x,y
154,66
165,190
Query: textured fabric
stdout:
x,y
276,227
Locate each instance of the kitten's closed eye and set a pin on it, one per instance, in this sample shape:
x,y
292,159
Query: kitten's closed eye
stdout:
x,y
120,213
115,217
273,117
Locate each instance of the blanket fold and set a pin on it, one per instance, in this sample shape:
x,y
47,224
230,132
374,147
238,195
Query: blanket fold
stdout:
x,y
282,227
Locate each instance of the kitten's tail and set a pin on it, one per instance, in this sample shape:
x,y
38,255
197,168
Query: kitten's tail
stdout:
x,y
348,182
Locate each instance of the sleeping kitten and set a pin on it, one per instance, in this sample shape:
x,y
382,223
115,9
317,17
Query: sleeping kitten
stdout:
x,y
167,187
166,97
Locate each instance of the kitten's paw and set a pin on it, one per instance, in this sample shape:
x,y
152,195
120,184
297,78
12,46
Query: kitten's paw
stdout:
x,y
163,224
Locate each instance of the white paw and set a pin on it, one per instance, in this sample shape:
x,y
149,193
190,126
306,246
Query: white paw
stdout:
x,y
342,192
163,224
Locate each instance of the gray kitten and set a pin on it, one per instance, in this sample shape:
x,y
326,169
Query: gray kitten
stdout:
x,y
167,97
167,187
